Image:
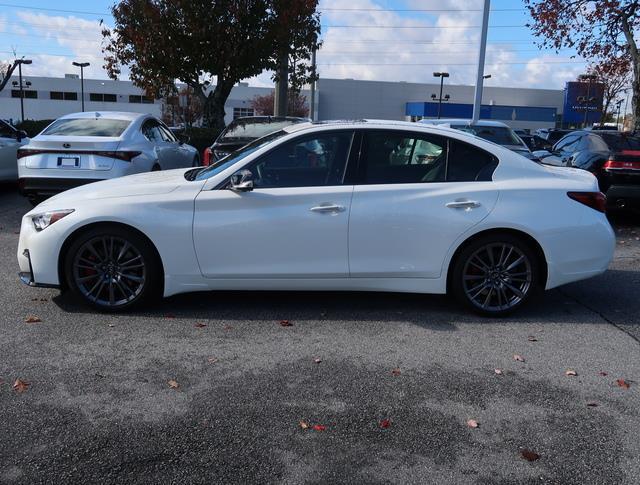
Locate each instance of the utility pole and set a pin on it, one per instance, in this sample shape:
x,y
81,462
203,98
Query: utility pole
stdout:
x,y
481,57
81,65
280,98
20,62
589,78
312,108
441,75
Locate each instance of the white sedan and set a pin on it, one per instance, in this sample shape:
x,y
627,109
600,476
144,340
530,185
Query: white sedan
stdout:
x,y
367,205
80,148
10,140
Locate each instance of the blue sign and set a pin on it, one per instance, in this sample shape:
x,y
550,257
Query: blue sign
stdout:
x,y
487,112
581,98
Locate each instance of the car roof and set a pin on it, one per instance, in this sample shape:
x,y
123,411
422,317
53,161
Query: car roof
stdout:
x,y
261,118
112,115
459,121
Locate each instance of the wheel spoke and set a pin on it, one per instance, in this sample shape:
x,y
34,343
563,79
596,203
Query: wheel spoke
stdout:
x,y
482,265
87,278
474,277
137,279
126,263
93,251
480,289
123,251
487,300
515,290
515,263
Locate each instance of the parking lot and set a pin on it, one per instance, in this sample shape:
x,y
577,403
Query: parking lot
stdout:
x,y
355,388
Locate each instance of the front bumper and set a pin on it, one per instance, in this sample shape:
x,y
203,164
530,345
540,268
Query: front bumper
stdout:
x,y
27,276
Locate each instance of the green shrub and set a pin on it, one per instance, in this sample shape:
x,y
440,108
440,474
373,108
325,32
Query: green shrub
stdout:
x,y
33,127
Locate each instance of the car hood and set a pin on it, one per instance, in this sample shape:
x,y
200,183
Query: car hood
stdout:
x,y
150,183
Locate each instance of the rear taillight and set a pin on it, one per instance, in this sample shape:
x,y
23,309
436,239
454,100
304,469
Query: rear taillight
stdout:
x,y
127,156
25,152
620,165
206,157
595,200
120,155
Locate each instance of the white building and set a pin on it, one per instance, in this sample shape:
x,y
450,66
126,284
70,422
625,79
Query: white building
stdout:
x,y
49,98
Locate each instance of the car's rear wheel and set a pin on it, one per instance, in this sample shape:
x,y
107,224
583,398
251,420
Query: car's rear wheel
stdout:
x,y
496,274
113,268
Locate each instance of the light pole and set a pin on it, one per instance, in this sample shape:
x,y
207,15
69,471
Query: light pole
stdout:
x,y
441,75
618,114
81,65
589,78
20,62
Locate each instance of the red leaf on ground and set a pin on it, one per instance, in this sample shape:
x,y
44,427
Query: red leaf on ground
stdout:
x,y
200,325
396,372
531,338
212,360
385,423
518,358
32,319
498,371
319,427
317,360
173,384
472,423
20,385
286,323
529,455
602,373
570,373
303,424
622,383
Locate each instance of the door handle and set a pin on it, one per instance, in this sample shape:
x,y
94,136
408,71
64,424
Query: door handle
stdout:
x,y
463,204
327,208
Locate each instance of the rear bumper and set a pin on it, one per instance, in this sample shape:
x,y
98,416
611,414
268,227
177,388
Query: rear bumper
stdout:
x,y
31,186
623,196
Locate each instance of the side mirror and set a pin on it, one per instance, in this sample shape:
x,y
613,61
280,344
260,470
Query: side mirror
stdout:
x,y
21,134
241,181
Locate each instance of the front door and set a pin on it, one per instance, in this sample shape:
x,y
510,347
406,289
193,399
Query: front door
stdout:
x,y
293,224
415,195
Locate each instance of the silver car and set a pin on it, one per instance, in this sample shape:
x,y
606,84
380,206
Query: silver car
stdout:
x,y
10,140
80,148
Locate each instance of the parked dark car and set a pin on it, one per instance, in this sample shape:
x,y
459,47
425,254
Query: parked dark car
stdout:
x,y
552,135
612,156
244,130
534,142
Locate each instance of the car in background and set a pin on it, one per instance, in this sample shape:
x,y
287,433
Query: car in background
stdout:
x,y
81,148
612,156
493,131
535,143
10,140
244,130
336,206
552,135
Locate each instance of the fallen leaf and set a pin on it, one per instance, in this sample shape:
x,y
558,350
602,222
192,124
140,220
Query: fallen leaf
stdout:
x,y
32,319
623,384
472,423
317,360
592,404
286,323
385,423
518,358
212,360
44,299
303,424
200,325
319,427
173,384
602,373
529,455
498,371
101,376
531,338
396,372
169,315
571,373
20,385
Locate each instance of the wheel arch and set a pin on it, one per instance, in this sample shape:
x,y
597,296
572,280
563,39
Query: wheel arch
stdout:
x,y
528,238
82,229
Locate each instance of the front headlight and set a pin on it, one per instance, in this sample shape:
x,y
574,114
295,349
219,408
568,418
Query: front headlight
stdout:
x,y
44,220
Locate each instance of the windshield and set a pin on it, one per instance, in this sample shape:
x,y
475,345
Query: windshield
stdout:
x,y
621,141
252,129
236,156
87,127
500,135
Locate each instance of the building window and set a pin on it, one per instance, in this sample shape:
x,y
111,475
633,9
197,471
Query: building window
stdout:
x,y
103,97
240,112
28,93
136,98
67,96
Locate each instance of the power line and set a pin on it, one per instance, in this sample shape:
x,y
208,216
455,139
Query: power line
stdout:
x,y
418,10
449,63
421,26
52,9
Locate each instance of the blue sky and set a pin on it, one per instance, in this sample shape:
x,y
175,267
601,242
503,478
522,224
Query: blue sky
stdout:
x,y
392,40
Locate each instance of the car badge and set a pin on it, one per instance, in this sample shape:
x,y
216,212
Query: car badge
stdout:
x,y
66,145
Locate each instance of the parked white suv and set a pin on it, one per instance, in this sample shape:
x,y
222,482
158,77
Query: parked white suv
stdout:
x,y
80,148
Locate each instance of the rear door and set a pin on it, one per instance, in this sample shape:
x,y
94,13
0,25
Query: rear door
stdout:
x,y
165,149
415,195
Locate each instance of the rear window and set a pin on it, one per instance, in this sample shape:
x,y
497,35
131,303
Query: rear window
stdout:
x,y
252,129
496,134
621,142
87,127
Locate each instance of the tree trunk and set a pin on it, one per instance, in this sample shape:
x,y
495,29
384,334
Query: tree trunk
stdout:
x,y
282,85
635,100
213,105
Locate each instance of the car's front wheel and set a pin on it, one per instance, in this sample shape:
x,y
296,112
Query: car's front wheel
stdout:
x,y
496,274
113,268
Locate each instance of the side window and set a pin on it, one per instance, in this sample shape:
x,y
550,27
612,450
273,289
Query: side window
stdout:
x,y
305,162
468,163
566,143
151,130
395,157
166,134
6,131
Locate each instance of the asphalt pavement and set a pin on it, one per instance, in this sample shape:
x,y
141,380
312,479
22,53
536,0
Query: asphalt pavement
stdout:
x,y
358,388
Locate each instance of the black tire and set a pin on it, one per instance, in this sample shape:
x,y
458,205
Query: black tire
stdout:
x,y
113,269
501,289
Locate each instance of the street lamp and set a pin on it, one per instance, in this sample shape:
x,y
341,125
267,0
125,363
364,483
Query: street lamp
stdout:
x,y
486,76
619,103
81,65
20,62
441,75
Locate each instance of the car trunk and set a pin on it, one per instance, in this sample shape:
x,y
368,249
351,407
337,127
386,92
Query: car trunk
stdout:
x,y
63,152
620,178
